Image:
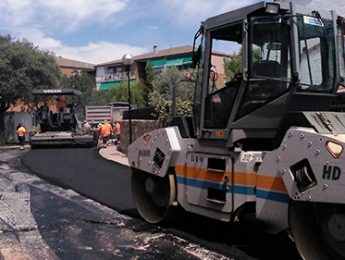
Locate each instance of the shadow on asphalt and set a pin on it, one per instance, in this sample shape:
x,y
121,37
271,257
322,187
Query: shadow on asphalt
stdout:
x,y
239,241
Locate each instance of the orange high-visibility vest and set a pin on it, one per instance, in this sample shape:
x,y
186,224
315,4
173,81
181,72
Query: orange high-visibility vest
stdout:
x,y
106,130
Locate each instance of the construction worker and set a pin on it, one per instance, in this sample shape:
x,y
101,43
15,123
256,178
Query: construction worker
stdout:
x,y
60,104
117,132
105,130
21,135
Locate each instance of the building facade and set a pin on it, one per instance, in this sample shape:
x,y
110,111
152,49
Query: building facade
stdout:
x,y
112,74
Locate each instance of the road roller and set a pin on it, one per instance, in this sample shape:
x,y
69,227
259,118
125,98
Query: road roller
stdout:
x,y
267,142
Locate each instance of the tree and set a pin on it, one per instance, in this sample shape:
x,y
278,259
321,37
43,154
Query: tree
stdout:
x,y
162,92
23,67
98,98
83,82
120,93
150,76
233,66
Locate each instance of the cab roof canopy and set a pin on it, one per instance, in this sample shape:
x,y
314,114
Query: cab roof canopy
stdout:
x,y
217,23
57,92
232,16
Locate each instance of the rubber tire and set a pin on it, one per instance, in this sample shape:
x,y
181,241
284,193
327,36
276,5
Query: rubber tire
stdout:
x,y
306,230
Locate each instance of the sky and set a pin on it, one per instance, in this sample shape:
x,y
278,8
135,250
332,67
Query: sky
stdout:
x,y
99,31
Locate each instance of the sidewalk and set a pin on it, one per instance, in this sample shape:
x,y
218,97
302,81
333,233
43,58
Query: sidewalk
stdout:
x,y
111,153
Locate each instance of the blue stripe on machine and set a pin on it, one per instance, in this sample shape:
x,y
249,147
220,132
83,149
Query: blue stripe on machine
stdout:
x,y
271,195
205,185
262,194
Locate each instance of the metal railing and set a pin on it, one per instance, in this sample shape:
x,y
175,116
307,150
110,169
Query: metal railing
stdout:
x,y
118,76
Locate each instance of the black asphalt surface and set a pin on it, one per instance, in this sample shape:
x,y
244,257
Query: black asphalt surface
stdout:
x,y
39,220
86,172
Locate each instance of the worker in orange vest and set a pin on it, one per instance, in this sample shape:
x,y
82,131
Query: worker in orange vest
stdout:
x,y
105,130
21,135
117,132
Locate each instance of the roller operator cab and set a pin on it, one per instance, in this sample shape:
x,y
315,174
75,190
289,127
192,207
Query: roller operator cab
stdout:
x,y
266,141
60,126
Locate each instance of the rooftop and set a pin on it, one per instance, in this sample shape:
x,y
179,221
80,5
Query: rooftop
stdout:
x,y
63,62
165,52
185,49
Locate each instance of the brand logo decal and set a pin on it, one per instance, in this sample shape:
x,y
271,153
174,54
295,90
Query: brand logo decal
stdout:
x,y
331,172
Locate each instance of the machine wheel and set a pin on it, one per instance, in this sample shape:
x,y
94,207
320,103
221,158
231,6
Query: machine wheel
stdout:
x,y
318,229
153,195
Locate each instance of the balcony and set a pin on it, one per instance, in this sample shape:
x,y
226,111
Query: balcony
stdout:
x,y
118,76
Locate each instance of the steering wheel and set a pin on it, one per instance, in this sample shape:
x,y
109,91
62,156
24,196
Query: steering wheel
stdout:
x,y
238,76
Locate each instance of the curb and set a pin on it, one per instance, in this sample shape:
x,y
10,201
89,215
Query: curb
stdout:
x,y
13,146
114,156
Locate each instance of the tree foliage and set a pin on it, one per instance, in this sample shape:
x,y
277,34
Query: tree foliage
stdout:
x,y
233,66
98,98
83,82
148,87
120,93
162,92
23,67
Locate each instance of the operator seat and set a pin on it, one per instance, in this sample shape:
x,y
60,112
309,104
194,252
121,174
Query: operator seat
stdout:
x,y
263,90
266,68
65,118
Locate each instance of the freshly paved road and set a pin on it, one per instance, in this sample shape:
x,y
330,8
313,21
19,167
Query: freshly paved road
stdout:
x,y
43,221
86,172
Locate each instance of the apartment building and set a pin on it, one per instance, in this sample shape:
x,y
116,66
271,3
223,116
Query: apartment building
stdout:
x,y
111,74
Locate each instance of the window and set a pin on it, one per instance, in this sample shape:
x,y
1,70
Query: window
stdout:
x,y
310,52
199,56
317,54
269,63
224,76
340,39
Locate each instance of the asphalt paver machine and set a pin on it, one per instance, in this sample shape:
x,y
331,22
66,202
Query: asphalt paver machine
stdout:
x,y
267,142
61,126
